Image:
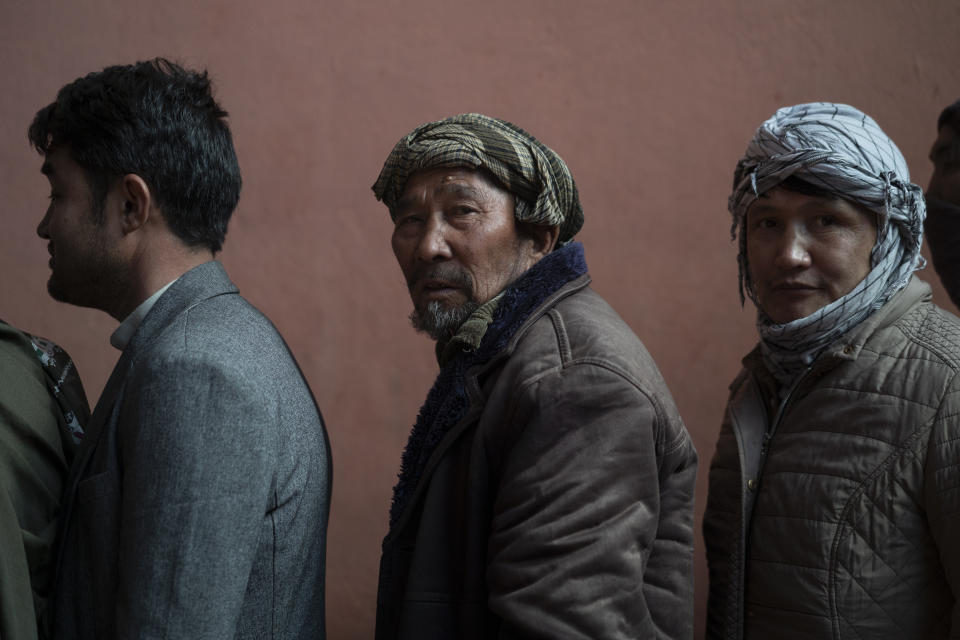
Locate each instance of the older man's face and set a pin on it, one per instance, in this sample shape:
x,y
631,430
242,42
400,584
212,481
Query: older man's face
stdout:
x,y
458,245
806,251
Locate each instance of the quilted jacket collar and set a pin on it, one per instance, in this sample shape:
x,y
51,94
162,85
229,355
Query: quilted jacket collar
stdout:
x,y
848,347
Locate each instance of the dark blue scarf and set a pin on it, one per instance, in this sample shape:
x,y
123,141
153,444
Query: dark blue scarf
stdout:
x,y
447,402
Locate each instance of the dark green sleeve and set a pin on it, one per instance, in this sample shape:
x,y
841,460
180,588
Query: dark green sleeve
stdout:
x,y
33,469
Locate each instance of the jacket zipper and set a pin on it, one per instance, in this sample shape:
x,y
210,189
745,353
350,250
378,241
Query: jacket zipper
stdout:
x,y
764,448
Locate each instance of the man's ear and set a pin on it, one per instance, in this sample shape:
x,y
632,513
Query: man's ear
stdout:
x,y
542,238
136,202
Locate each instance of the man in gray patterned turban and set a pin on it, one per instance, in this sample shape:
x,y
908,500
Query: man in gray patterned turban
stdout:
x,y
833,505
547,486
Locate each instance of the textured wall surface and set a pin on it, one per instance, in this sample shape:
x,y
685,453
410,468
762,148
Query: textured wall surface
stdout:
x,y
650,103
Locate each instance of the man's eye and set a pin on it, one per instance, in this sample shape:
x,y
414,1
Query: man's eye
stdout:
x,y
464,210
405,221
827,221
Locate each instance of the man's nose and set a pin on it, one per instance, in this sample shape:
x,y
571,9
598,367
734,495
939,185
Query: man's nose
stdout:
x,y
43,227
433,245
793,249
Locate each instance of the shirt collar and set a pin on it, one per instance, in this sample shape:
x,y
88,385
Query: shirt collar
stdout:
x,y
121,337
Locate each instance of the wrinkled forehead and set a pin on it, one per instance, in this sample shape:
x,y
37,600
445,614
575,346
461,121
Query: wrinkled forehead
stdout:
x,y
448,183
468,181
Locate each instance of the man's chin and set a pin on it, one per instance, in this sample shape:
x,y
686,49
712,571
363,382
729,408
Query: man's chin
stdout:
x,y
68,295
441,321
56,292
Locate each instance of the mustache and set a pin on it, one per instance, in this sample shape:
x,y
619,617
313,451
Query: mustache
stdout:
x,y
449,273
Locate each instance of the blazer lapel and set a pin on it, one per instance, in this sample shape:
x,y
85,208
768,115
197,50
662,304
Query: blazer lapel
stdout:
x,y
98,420
95,427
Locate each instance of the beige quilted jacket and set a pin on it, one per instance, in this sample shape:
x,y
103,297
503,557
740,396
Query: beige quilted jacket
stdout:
x,y
836,512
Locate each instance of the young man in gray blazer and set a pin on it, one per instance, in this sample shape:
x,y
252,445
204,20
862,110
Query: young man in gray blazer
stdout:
x,y
197,504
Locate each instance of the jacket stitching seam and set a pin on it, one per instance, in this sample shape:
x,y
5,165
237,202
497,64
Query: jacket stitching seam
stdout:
x,y
893,523
845,525
678,440
934,349
560,330
878,394
866,592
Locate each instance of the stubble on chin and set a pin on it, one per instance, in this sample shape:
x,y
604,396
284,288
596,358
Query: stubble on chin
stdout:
x,y
441,322
96,286
61,291
438,319
69,294
60,295
54,290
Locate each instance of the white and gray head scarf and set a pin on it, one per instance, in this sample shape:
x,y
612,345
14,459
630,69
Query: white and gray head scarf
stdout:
x,y
842,151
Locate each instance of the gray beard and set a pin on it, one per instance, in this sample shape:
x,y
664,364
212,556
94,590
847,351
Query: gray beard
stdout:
x,y
440,322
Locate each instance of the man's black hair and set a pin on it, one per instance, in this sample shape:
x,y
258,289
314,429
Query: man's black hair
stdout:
x,y
797,184
950,116
803,187
159,121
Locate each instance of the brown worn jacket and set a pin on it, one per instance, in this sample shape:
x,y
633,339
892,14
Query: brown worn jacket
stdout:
x,y
836,513
561,505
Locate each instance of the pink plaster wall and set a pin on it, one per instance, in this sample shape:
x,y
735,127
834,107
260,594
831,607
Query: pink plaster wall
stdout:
x,y
650,103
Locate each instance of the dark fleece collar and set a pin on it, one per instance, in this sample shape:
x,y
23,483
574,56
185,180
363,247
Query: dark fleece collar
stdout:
x,y
447,403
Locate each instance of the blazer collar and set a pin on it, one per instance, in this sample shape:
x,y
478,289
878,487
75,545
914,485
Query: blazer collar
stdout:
x,y
205,281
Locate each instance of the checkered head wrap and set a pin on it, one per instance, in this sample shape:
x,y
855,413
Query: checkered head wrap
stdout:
x,y
843,151
543,188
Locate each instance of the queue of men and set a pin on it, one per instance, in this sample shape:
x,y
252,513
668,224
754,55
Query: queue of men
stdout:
x,y
547,486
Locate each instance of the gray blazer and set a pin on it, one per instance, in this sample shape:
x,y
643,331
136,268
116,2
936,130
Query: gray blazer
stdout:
x,y
197,506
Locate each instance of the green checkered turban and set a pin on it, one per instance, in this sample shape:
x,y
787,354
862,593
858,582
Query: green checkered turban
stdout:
x,y
543,188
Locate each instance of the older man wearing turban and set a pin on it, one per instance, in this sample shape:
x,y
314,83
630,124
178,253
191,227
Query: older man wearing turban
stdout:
x,y
834,500
546,490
